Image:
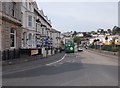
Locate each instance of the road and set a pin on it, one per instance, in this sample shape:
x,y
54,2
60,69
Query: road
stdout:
x,y
74,69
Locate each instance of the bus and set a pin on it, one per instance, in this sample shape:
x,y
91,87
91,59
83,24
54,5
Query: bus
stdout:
x,y
69,45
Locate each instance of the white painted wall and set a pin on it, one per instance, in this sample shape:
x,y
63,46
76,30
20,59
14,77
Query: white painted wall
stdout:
x,y
31,29
56,42
26,12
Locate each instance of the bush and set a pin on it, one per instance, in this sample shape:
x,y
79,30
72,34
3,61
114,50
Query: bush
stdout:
x,y
106,47
115,49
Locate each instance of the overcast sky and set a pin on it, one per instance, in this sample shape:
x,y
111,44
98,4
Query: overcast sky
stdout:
x,y
81,16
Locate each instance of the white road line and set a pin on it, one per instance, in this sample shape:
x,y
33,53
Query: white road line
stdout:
x,y
56,61
32,67
21,70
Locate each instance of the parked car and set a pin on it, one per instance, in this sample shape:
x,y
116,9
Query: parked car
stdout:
x,y
80,49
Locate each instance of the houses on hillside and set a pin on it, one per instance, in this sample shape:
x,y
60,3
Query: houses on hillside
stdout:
x,y
87,38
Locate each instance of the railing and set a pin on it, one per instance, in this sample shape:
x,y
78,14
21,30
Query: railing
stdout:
x,y
16,54
113,48
10,54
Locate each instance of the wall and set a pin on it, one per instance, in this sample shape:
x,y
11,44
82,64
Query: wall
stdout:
x,y
0,26
56,40
9,22
0,35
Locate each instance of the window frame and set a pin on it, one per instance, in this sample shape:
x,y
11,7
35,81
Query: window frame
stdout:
x,y
13,9
30,21
14,34
30,6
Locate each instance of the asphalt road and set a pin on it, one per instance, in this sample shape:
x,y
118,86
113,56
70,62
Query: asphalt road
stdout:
x,y
75,69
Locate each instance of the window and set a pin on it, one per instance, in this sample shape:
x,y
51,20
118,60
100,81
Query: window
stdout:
x,y
47,33
42,30
30,40
24,39
26,3
34,39
35,24
30,36
22,17
30,6
13,8
59,35
13,38
30,21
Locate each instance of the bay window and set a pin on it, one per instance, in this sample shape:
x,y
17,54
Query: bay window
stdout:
x,y
30,21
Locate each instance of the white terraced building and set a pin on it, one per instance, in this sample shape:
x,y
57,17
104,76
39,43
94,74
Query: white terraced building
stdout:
x,y
35,26
56,38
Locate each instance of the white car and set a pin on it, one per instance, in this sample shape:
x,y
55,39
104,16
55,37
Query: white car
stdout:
x,y
80,49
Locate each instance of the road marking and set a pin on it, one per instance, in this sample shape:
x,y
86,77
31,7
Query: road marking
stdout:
x,y
56,61
21,70
32,67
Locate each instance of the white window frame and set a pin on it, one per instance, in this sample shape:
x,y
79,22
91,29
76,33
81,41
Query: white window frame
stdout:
x,y
29,21
26,4
43,31
30,6
24,39
35,22
30,39
14,38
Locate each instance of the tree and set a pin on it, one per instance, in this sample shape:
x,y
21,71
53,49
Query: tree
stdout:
x,y
61,44
75,33
116,30
95,41
109,31
101,31
106,38
77,40
84,34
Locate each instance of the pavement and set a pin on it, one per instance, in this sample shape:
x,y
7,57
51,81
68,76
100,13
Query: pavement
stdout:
x,y
30,63
23,59
110,54
74,69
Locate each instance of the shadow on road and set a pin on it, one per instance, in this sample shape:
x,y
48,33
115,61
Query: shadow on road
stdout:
x,y
63,68
47,70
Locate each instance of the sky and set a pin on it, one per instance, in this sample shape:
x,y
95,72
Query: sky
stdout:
x,y
80,16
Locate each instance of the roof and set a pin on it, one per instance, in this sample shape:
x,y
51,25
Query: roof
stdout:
x,y
54,30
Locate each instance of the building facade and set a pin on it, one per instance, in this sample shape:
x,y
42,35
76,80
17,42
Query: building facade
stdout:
x,y
43,28
56,38
28,25
11,29
25,30
36,27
